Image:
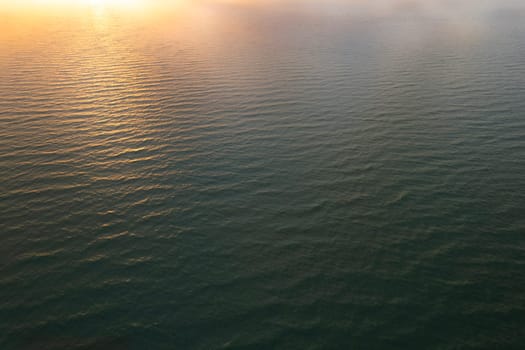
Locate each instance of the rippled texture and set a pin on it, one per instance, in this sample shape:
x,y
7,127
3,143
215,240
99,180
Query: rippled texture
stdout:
x,y
237,176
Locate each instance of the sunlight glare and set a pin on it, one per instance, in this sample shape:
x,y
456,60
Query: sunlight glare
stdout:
x,y
94,3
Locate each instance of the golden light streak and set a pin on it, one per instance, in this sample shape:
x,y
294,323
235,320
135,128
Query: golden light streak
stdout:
x,y
39,5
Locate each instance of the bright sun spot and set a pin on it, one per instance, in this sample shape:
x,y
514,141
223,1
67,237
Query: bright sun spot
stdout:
x,y
95,3
120,3
114,2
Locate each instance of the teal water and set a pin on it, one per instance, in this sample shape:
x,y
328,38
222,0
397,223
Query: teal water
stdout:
x,y
325,177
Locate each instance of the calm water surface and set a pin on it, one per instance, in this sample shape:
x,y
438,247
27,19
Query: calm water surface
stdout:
x,y
250,175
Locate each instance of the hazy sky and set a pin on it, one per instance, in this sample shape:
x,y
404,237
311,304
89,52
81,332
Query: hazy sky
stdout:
x,y
319,5
456,11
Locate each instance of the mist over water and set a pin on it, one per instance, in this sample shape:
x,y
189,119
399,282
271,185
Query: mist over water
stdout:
x,y
262,174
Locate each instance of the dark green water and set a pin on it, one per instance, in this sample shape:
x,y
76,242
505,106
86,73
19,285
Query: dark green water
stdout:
x,y
264,178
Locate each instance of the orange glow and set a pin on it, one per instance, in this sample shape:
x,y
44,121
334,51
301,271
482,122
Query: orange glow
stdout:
x,y
37,6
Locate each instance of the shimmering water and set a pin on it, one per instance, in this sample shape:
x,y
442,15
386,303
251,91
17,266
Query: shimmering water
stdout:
x,y
294,175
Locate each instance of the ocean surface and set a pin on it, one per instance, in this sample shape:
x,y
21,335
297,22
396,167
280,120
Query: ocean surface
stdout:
x,y
262,175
